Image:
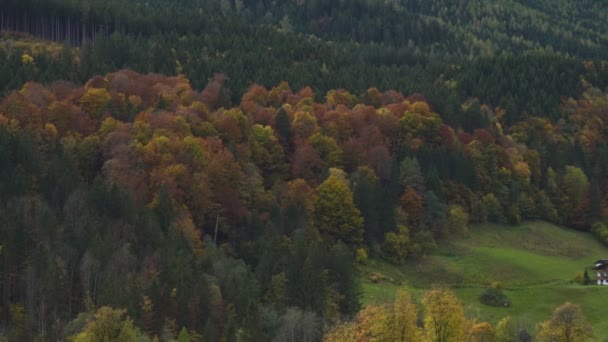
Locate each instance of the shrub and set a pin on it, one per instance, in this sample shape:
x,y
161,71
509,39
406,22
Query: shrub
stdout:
x,y
600,230
376,277
578,278
493,296
361,256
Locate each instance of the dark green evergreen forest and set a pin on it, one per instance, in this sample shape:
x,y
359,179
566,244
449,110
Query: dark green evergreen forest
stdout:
x,y
200,170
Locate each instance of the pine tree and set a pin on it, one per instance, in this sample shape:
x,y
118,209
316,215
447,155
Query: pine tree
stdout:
x,y
586,278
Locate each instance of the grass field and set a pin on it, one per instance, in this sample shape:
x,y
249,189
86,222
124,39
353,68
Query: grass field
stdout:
x,y
536,263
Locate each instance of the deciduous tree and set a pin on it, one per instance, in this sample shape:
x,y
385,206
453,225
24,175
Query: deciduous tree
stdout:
x,y
444,318
568,324
336,215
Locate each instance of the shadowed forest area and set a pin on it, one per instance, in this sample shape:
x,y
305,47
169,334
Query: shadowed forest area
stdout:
x,y
224,170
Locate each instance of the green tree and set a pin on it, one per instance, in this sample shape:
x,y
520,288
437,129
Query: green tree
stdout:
x,y
266,152
183,336
343,273
410,175
575,184
396,245
283,127
458,220
298,325
586,278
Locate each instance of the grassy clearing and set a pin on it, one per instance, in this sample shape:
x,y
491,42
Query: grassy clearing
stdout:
x,y
536,263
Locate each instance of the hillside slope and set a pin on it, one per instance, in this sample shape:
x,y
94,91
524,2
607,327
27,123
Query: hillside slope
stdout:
x,y
519,55
535,262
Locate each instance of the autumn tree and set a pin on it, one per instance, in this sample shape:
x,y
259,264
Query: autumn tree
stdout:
x,y
482,332
342,332
568,324
304,125
396,321
327,148
413,205
505,330
109,325
374,323
444,318
336,215
405,318
95,101
147,316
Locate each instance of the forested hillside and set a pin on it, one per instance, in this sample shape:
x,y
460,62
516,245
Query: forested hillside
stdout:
x,y
220,170
520,55
139,192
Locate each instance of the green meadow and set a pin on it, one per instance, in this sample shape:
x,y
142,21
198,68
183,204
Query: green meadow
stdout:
x,y
536,263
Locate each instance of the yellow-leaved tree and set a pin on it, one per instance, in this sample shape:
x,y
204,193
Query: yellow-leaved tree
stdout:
x,y
405,317
444,318
109,325
395,322
374,323
567,324
336,215
95,101
482,332
342,332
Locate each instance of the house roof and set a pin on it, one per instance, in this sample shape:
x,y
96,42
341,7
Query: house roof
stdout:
x,y
601,263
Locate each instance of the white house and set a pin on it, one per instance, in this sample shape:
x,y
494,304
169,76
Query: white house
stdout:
x,y
601,268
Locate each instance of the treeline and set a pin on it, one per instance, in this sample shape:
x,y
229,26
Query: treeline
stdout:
x,y
246,222
444,319
452,28
449,51
57,27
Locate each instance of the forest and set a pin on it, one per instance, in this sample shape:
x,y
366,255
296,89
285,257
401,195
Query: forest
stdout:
x,y
223,177
520,55
138,192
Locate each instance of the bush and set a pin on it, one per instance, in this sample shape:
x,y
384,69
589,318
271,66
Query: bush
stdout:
x,y
396,245
579,279
493,296
376,277
361,256
600,230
